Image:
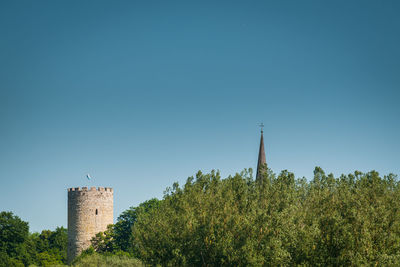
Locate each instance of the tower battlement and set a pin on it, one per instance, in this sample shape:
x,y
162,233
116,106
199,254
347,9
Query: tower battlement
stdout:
x,y
82,189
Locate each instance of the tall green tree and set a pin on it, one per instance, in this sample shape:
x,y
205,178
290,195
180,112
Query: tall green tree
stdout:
x,y
350,220
123,228
13,234
50,246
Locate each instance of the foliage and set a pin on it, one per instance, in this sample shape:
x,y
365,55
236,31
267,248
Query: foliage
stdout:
x,y
123,227
100,260
279,220
118,237
350,220
19,248
6,261
13,233
48,259
51,246
104,241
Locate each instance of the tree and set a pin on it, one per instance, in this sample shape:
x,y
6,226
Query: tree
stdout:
x,y
58,242
104,241
123,228
6,261
48,247
47,258
118,238
283,221
13,234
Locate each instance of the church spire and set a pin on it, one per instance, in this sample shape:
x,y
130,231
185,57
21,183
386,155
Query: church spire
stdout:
x,y
262,163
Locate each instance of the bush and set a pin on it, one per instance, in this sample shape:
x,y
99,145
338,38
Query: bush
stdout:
x,y
99,260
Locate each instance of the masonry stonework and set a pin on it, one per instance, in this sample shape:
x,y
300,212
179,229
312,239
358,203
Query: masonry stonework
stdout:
x,y
89,212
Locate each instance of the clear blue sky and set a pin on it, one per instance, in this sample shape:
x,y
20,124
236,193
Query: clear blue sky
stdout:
x,y
143,93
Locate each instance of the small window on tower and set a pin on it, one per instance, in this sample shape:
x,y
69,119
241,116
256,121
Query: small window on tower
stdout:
x,y
97,212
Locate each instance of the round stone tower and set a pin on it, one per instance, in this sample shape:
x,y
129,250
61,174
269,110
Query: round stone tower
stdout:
x,y
89,212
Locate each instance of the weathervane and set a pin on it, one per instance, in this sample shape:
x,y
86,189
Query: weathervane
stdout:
x,y
262,127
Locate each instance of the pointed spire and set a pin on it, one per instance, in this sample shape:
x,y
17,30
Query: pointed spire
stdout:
x,y
262,163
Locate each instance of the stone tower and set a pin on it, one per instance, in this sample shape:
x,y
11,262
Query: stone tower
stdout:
x,y
89,212
262,162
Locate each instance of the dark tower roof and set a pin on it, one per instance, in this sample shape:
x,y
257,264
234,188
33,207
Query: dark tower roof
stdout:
x,y
261,164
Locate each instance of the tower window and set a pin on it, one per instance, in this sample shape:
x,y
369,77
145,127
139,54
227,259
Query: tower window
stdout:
x,y
97,212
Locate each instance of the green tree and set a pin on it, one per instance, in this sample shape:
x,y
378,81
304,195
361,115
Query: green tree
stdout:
x,y
351,220
123,228
48,247
13,233
104,242
118,238
58,241
48,258
6,261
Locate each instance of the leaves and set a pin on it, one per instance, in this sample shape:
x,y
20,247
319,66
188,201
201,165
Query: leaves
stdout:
x,y
123,228
278,221
13,233
19,248
350,220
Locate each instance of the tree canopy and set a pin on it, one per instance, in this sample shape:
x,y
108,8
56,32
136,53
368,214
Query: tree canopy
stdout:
x,y
279,220
13,234
20,248
350,220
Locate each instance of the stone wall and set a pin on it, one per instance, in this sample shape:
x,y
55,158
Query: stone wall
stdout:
x,y
89,212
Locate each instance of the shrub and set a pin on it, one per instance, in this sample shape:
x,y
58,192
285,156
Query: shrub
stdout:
x,y
99,260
